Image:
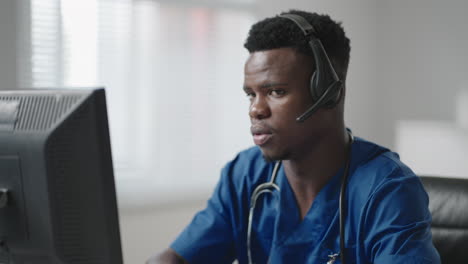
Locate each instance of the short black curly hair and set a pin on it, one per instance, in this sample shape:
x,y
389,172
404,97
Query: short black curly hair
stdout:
x,y
277,32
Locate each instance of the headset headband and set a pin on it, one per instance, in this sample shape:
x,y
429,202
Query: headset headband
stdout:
x,y
304,25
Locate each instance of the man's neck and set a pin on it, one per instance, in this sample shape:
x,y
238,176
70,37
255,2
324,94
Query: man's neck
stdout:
x,y
308,174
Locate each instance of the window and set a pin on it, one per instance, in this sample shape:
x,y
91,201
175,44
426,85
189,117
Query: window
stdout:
x,y
173,78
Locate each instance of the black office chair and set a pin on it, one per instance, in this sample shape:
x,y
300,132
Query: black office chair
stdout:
x,y
448,203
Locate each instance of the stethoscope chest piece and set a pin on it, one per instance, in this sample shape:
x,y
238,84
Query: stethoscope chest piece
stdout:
x,y
333,258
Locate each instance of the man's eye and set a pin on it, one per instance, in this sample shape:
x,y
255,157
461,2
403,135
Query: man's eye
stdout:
x,y
277,92
250,95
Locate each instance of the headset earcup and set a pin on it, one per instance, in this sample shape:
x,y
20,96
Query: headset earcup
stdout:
x,y
332,98
336,96
313,87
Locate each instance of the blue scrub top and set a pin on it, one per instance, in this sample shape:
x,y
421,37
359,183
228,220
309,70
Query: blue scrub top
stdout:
x,y
387,219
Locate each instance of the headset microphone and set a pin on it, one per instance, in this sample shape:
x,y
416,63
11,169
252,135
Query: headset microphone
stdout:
x,y
325,85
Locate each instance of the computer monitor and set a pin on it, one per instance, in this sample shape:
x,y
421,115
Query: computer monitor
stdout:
x,y
57,194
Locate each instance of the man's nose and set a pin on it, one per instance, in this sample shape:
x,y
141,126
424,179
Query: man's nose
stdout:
x,y
259,109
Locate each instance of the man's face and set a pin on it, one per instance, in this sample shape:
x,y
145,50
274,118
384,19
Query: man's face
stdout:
x,y
277,84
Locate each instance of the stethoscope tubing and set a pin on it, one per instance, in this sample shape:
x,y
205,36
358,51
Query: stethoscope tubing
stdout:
x,y
267,187
342,202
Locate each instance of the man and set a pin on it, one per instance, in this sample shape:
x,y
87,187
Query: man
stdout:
x,y
297,219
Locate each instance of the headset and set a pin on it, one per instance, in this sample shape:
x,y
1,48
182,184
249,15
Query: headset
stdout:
x,y
326,91
325,85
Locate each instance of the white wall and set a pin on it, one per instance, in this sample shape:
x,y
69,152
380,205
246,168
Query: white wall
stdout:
x,y
422,61
8,43
422,65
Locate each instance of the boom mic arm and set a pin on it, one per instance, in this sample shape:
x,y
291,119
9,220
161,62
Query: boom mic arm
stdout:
x,y
331,91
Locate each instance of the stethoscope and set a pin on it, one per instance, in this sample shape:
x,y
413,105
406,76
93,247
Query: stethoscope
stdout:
x,y
271,186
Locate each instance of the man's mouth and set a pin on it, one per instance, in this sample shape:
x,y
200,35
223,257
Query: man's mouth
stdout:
x,y
261,134
261,139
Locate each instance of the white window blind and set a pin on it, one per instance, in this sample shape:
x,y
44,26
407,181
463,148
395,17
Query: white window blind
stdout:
x,y
173,78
